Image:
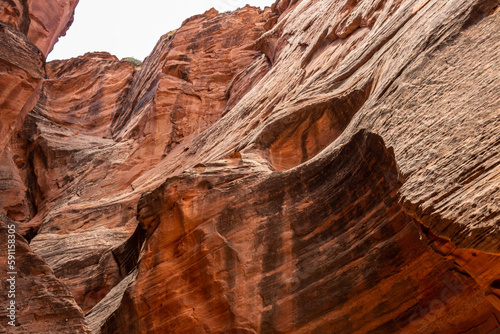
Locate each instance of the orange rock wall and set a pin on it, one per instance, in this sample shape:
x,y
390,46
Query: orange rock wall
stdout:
x,y
43,303
314,167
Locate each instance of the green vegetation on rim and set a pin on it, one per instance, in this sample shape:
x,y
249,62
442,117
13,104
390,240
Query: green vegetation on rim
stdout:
x,y
134,61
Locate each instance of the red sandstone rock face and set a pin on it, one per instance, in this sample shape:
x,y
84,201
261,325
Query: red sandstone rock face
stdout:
x,y
16,14
87,152
247,251
43,22
317,167
24,27
71,149
184,86
43,303
237,252
49,20
22,68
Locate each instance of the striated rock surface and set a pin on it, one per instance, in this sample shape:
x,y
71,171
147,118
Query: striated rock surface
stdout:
x,y
191,77
49,21
28,32
315,167
100,123
71,149
22,71
43,303
43,22
247,251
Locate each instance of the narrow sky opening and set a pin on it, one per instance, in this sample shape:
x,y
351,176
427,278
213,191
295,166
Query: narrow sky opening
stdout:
x,y
129,28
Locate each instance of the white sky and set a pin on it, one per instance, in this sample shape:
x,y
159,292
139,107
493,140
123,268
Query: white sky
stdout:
x,y
129,28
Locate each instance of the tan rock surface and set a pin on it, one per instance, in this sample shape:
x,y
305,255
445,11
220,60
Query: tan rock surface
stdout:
x,y
43,304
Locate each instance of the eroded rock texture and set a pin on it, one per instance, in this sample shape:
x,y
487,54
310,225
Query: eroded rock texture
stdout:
x,y
28,31
315,167
100,124
49,21
22,68
247,252
43,304
43,22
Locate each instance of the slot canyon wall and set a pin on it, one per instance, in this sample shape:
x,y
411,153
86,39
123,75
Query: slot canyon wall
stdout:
x,y
326,166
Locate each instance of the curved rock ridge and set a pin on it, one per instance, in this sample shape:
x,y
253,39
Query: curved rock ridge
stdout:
x,y
83,167
49,21
315,167
235,248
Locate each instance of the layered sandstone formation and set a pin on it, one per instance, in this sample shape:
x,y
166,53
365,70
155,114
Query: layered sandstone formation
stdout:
x,y
315,167
99,126
43,22
28,32
44,304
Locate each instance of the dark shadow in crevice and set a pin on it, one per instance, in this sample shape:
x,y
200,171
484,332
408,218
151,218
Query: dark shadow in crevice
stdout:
x,y
301,135
480,11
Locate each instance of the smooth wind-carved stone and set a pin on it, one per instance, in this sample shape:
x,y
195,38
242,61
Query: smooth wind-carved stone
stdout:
x,y
315,167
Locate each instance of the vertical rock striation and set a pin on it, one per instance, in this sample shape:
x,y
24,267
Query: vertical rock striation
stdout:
x,y
42,302
100,123
22,68
315,167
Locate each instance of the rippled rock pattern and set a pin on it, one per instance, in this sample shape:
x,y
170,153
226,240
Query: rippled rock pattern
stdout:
x,y
315,167
44,304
